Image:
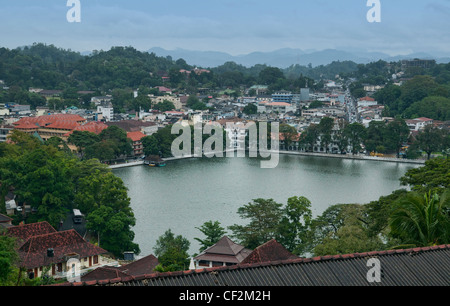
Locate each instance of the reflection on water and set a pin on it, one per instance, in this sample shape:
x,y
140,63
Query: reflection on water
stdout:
x,y
186,193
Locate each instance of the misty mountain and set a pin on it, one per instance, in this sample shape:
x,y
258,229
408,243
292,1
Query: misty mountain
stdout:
x,y
286,57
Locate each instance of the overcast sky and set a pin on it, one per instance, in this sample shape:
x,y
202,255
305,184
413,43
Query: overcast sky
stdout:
x,y
236,27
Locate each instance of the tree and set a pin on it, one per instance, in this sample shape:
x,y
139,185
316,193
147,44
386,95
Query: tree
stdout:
x,y
141,102
397,133
103,198
113,229
326,128
376,214
434,107
420,220
270,75
416,89
164,106
42,179
431,139
309,138
375,139
345,232
339,136
213,232
433,176
46,178
160,142
194,103
250,109
295,225
288,134
103,151
316,104
83,139
172,251
118,139
355,133
9,260
265,216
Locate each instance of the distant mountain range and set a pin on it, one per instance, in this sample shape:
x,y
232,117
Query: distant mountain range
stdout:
x,y
284,58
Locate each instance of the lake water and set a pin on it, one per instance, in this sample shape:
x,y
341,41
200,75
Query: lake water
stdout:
x,y
186,193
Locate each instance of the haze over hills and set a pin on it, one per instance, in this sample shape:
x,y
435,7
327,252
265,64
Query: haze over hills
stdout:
x,y
286,57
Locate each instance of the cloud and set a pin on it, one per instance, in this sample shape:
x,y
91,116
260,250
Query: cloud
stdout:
x,y
229,25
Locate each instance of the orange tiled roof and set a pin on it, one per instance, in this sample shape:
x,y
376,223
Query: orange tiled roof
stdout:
x,y
366,98
63,125
26,125
93,127
135,136
49,119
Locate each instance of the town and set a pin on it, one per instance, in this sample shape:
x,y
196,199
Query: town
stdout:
x,y
95,108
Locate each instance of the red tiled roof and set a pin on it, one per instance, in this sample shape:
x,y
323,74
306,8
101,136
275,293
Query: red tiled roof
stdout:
x,y
47,120
102,273
281,136
33,252
278,104
142,266
93,127
26,125
24,232
269,251
163,89
63,125
135,136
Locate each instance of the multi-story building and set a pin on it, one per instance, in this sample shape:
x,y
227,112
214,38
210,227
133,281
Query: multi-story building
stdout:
x,y
136,138
58,125
106,110
282,96
4,132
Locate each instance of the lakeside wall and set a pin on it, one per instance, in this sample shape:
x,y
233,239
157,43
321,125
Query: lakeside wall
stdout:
x,y
358,157
344,156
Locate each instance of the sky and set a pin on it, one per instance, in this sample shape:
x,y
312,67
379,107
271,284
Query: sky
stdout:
x,y
235,27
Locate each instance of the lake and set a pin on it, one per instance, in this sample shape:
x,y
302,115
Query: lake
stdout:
x,y
186,193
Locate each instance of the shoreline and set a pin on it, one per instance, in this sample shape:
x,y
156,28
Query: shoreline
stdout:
x,y
310,154
358,157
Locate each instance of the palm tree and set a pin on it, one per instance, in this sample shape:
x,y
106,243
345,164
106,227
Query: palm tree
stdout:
x,y
421,220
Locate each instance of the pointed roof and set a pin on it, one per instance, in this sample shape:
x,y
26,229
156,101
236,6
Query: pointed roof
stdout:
x,y
225,250
36,238
269,251
26,231
143,266
63,244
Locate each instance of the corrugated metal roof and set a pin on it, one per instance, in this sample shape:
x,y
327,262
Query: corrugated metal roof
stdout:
x,y
412,267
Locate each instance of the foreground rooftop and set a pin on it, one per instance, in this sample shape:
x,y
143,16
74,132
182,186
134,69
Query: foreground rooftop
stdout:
x,y
428,266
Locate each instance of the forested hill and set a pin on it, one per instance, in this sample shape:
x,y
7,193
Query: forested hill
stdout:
x,y
426,91
50,67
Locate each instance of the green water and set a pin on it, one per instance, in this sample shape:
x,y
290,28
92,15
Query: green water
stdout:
x,y
186,193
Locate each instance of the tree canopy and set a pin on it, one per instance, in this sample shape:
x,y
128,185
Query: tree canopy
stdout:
x,y
54,181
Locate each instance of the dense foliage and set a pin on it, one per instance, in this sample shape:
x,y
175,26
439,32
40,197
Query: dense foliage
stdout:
x,y
53,182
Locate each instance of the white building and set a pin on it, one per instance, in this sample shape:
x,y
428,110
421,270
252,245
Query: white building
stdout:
x,y
278,107
106,110
418,123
